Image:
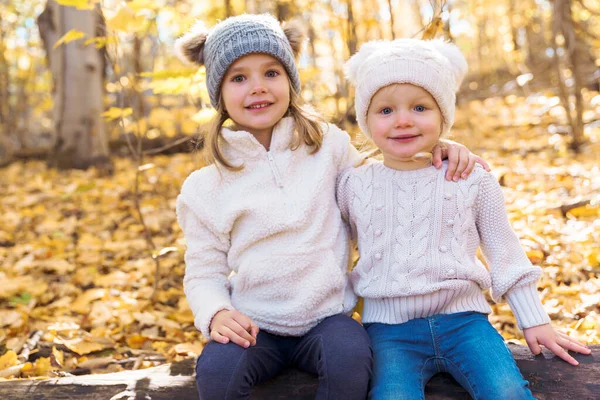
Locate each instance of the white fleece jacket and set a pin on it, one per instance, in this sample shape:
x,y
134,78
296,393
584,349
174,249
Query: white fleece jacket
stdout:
x,y
275,224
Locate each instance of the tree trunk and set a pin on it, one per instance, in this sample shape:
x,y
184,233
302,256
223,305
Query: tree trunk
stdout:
x,y
139,109
563,25
392,28
228,10
573,53
5,119
78,88
351,30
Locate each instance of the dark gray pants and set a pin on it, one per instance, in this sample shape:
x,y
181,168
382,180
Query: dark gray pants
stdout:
x,y
337,350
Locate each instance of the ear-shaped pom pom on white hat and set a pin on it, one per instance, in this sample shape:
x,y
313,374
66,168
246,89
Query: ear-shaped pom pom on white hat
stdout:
x,y
352,66
454,56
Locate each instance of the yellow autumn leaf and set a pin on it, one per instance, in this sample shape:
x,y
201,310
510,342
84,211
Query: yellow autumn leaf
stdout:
x,y
535,256
189,127
28,370
14,286
73,34
204,116
187,349
158,115
594,258
127,20
160,346
82,303
168,73
136,341
566,290
57,357
83,346
585,211
116,112
43,366
99,41
78,4
139,127
138,5
9,359
433,28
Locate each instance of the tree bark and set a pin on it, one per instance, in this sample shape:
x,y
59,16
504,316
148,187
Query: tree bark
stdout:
x,y
228,9
78,88
573,52
563,24
392,27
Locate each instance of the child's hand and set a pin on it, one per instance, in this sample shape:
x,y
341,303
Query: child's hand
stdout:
x,y
460,160
232,325
555,341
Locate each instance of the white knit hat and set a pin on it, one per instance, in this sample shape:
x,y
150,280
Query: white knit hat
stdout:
x,y
436,66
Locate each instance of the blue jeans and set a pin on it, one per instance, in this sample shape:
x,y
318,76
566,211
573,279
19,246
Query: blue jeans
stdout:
x,y
337,351
464,345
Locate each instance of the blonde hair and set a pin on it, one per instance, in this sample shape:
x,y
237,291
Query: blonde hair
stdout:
x,y
307,122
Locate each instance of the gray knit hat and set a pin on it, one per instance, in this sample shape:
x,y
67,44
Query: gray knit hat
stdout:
x,y
435,65
236,37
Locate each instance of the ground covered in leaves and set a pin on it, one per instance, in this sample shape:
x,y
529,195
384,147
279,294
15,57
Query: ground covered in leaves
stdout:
x,y
77,275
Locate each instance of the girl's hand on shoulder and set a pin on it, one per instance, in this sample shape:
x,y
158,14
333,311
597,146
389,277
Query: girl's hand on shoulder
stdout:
x,y
460,160
555,341
232,325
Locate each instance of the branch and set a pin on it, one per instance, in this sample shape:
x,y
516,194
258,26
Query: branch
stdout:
x,y
168,146
593,12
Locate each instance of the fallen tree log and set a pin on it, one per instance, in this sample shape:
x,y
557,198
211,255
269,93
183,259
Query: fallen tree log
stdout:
x,y
550,378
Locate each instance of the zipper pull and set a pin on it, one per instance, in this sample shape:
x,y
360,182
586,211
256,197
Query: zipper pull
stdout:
x,y
274,169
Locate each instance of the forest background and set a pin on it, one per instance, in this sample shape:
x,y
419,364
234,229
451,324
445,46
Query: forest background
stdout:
x,y
97,119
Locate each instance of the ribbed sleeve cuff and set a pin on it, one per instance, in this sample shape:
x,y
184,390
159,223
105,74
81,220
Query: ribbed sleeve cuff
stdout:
x,y
527,307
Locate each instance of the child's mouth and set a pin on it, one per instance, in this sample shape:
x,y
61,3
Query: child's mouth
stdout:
x,y
258,106
404,139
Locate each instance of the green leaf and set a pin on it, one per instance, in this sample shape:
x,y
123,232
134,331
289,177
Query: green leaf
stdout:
x,y
23,298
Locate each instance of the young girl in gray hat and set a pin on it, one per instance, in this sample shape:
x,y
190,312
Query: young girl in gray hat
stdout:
x,y
417,233
265,209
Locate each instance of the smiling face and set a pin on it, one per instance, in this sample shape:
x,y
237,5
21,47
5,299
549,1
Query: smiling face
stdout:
x,y
256,93
404,120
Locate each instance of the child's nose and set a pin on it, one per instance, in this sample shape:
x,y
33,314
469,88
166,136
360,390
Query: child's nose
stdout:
x,y
403,119
258,86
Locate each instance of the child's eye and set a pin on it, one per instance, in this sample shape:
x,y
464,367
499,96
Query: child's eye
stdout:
x,y
386,111
272,74
420,108
238,78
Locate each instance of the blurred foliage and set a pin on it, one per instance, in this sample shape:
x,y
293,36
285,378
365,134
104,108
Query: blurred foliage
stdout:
x,y
508,45
73,261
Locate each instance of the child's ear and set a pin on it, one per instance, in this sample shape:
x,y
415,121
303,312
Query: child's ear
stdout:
x,y
294,31
190,47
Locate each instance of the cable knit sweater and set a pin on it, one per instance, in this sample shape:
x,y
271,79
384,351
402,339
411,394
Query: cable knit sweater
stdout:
x,y
276,225
418,235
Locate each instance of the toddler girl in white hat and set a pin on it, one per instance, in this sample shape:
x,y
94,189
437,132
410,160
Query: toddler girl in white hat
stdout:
x,y
418,234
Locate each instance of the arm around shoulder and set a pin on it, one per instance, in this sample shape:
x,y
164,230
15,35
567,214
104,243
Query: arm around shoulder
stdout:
x,y
347,155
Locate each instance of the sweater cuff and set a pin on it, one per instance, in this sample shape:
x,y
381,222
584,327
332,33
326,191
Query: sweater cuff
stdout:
x,y
202,320
527,307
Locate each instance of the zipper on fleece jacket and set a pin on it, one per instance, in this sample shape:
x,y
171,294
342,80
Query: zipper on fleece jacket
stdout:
x,y
274,170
